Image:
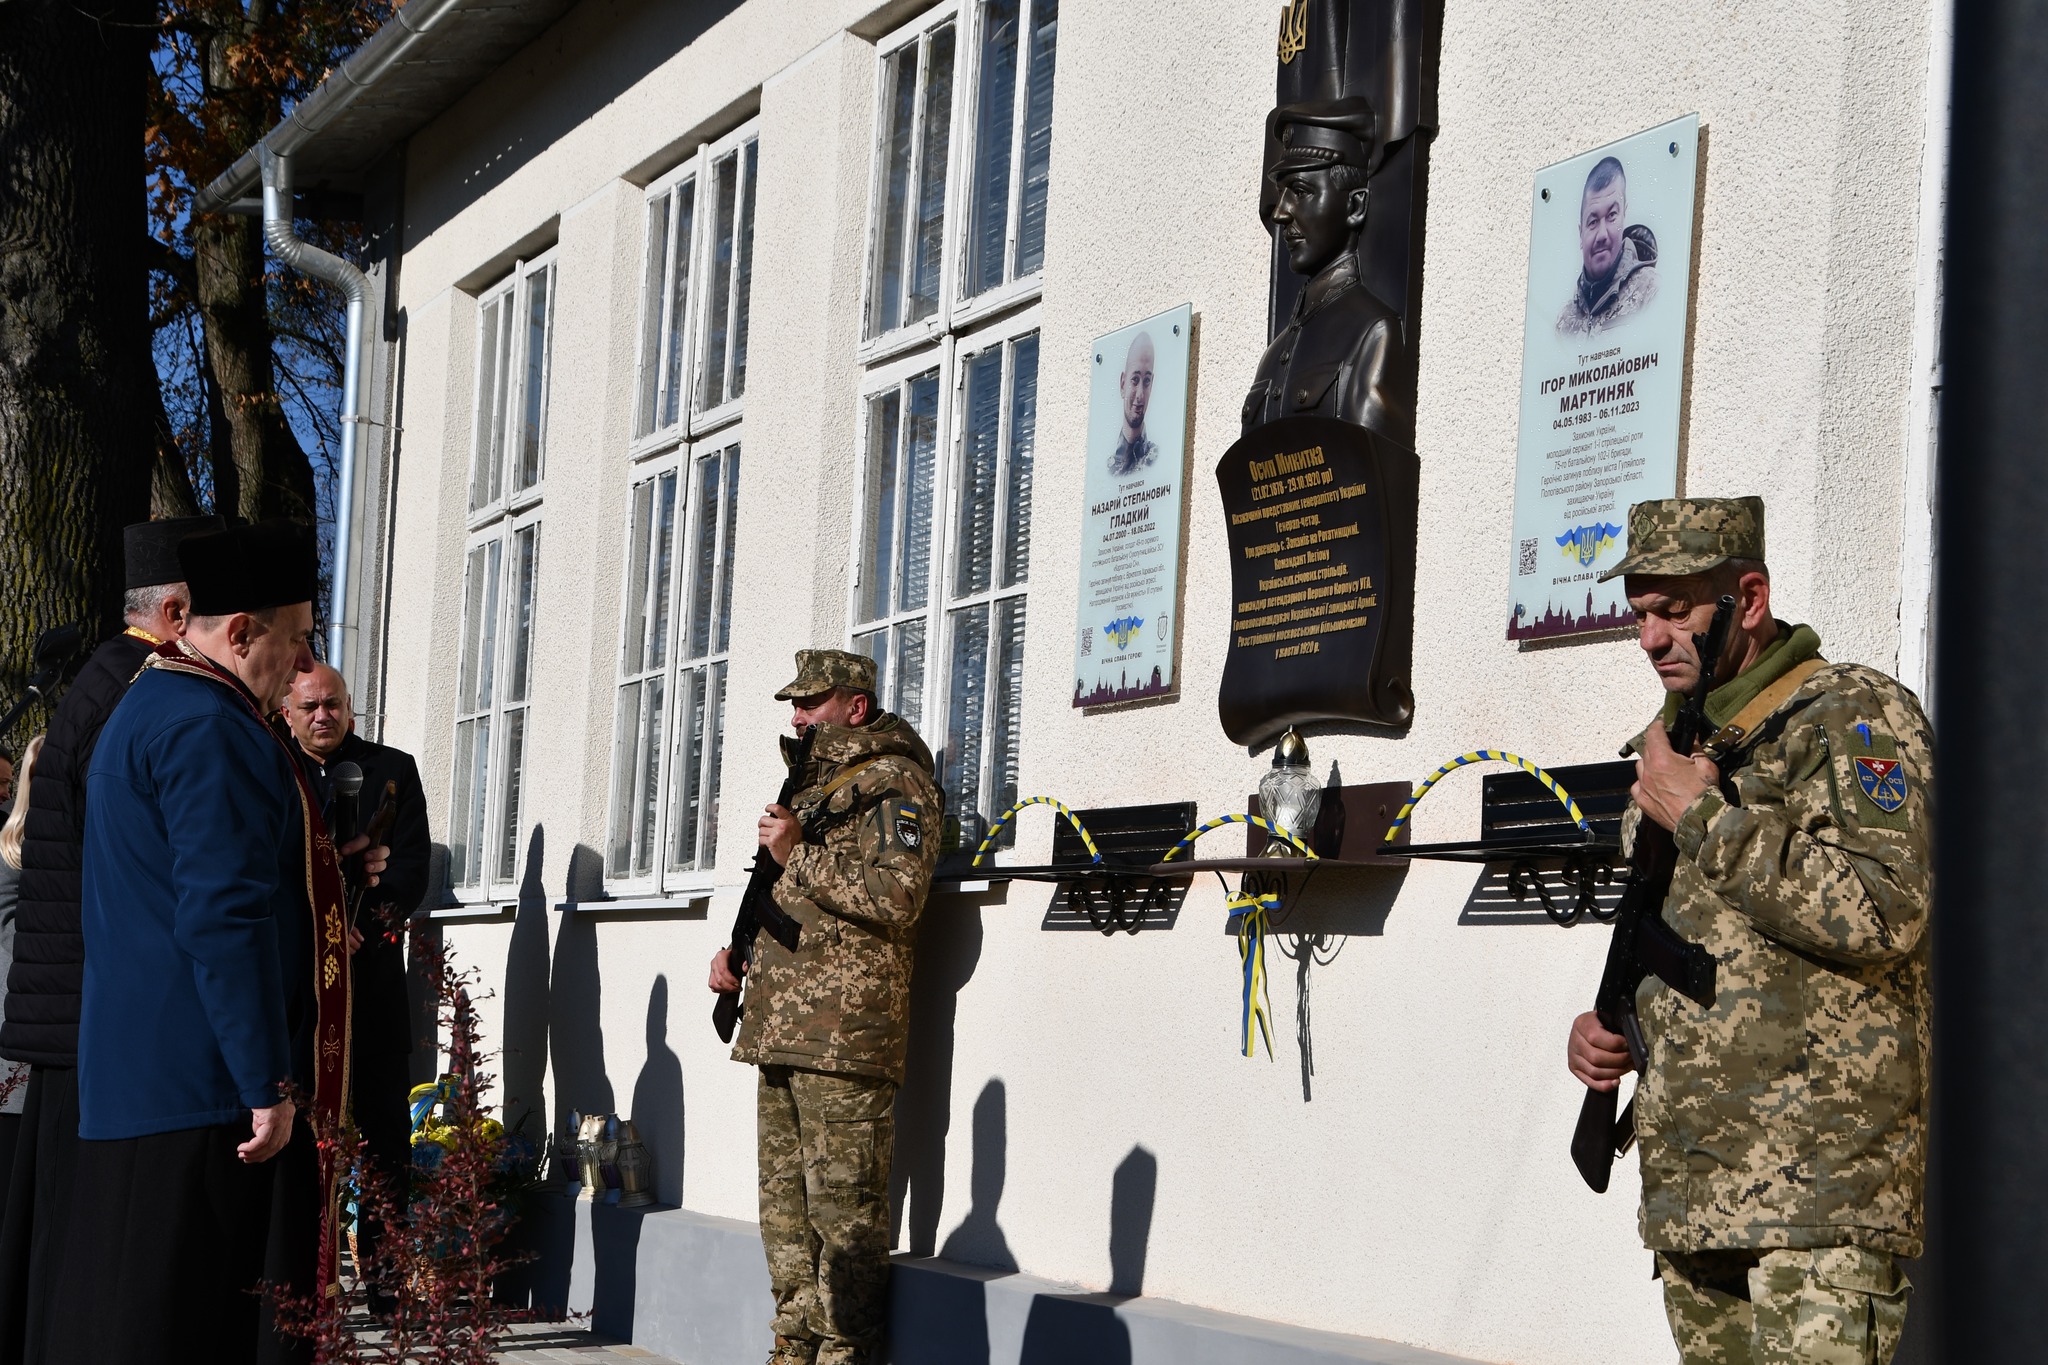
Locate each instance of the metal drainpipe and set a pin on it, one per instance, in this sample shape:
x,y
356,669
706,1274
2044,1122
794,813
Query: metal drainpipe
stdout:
x,y
308,259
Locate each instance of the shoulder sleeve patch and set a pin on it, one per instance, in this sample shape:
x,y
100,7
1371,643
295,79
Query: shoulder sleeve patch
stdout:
x,y
1871,776
902,824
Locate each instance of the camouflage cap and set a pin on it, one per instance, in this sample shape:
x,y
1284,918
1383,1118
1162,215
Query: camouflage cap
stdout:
x,y
818,671
1679,536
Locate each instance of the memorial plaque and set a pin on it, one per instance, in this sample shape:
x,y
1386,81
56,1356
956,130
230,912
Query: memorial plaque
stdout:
x,y
1321,519
1129,599
1603,370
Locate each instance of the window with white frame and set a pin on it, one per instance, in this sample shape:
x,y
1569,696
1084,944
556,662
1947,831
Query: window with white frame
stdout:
x,y
963,152
669,722
501,569
669,718
944,555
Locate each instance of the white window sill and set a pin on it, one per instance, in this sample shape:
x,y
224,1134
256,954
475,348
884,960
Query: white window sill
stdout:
x,y
686,900
461,910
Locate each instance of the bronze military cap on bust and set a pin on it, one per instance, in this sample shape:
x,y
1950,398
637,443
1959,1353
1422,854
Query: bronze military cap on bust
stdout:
x,y
1681,536
1318,133
820,670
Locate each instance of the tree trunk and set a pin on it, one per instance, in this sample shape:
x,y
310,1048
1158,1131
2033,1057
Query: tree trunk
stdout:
x,y
77,439
273,477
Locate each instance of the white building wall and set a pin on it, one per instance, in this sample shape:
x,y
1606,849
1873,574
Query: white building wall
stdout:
x,y
1423,1193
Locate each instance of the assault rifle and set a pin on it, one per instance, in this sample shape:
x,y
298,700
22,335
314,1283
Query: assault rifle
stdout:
x,y
1643,943
758,909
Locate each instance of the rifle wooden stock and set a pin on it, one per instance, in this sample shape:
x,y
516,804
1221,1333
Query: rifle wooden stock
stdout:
x,y
1644,945
758,909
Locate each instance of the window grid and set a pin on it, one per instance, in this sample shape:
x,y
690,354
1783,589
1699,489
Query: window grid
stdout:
x,y
669,721
696,294
515,331
946,628
494,689
962,163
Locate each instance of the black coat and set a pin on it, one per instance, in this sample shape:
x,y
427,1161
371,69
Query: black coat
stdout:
x,y
383,1018
48,974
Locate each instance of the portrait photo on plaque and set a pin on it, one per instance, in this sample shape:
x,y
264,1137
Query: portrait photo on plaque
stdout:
x,y
1131,516
1603,368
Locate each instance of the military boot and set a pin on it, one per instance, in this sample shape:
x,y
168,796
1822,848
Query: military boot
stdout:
x,y
792,1352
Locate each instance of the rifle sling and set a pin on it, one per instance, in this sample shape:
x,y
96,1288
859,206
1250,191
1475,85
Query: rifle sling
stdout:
x,y
1762,706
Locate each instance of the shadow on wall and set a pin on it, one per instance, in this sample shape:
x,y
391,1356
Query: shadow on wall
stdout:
x,y
1083,1329
979,1239
657,1110
525,1025
948,948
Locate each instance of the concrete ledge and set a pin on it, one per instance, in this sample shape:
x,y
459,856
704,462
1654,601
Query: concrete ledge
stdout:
x,y
695,1288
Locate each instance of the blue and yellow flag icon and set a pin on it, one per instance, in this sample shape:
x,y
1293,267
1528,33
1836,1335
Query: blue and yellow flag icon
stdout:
x,y
1587,543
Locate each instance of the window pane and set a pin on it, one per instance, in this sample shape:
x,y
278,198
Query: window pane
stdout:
x,y
487,628
743,287
931,175
875,644
494,339
639,547
966,716
707,852
687,785
703,558
663,556
718,324
974,509
473,763
1007,703
650,314
509,793
647,790
461,867
1016,540
988,221
909,650
878,549
525,566
626,781
1045,29
678,304
899,76
533,424
473,585
721,627
920,455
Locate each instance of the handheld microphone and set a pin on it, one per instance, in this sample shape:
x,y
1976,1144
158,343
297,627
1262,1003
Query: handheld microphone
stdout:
x,y
348,787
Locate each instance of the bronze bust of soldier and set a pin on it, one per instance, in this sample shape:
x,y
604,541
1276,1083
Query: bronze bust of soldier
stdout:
x,y
1344,354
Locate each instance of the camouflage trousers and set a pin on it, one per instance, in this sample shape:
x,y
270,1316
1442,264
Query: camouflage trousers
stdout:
x,y
1827,1306
825,1147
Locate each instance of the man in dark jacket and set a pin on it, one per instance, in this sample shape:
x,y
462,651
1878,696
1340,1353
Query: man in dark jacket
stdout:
x,y
323,723
49,953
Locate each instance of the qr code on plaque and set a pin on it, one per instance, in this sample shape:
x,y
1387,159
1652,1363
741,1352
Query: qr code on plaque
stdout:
x,y
1087,641
1526,561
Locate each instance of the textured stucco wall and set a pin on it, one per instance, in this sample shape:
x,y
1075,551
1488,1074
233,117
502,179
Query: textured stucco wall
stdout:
x,y
1423,1193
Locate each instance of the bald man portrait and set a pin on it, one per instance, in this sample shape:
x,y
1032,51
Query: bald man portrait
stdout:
x,y
322,721
1134,450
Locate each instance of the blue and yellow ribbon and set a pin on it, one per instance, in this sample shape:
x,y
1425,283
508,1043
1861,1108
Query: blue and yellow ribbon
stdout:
x,y
989,840
1550,784
1254,922
1187,841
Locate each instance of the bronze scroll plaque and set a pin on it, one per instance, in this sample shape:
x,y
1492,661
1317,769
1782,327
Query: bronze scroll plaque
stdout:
x,y
1321,519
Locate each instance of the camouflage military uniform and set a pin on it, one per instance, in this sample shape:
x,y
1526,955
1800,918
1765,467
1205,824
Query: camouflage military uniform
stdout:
x,y
1783,1130
828,1026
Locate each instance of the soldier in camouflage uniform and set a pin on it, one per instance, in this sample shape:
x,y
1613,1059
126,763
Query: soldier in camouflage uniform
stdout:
x,y
828,1023
1784,1129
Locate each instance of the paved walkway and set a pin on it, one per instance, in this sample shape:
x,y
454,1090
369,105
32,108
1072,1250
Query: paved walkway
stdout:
x,y
571,1344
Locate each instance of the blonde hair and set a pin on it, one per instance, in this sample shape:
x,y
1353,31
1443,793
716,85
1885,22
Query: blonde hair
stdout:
x,y
17,819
